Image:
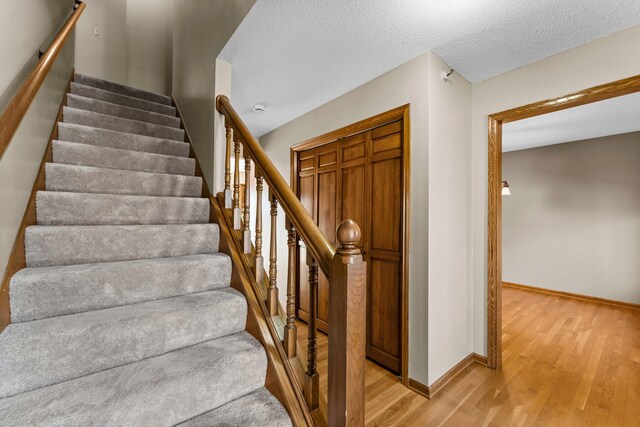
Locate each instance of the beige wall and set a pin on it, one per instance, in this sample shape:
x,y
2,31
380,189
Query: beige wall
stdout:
x,y
103,56
150,45
572,222
133,45
201,30
438,197
604,60
20,163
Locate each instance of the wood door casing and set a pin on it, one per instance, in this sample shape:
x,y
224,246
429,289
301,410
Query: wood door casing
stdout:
x,y
361,177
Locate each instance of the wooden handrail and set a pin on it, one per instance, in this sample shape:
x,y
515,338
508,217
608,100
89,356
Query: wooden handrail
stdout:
x,y
306,228
14,113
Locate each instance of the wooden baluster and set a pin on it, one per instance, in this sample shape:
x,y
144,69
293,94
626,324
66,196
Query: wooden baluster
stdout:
x,y
290,330
236,187
311,386
272,291
347,317
246,226
228,202
258,265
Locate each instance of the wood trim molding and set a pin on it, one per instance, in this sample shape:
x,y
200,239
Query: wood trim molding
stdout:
x,y
438,385
17,258
572,295
354,128
494,198
399,113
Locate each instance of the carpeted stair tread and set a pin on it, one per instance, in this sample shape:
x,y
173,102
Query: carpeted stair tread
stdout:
x,y
47,246
122,89
44,352
121,140
38,293
73,153
89,179
127,101
103,107
159,391
105,121
258,408
63,208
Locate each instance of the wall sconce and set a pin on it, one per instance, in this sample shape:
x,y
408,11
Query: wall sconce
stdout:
x,y
505,189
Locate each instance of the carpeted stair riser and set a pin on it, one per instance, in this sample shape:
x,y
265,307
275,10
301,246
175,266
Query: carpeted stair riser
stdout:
x,y
89,179
246,411
72,153
124,141
40,353
122,89
160,391
127,101
62,208
82,244
38,293
104,121
102,107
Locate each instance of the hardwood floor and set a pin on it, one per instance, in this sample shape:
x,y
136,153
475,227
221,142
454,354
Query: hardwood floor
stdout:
x,y
566,363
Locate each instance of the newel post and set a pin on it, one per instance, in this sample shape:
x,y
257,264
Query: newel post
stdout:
x,y
347,317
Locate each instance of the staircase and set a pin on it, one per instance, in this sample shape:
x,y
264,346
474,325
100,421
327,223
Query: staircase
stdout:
x,y
125,314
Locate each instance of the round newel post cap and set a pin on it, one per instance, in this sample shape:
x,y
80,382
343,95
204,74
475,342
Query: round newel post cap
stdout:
x,y
348,234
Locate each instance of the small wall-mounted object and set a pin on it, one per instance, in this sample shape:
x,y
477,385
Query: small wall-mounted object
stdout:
x,y
446,75
258,108
96,31
505,189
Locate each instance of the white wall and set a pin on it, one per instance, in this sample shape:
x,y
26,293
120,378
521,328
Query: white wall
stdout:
x,y
450,328
18,50
133,45
434,202
602,61
201,29
572,222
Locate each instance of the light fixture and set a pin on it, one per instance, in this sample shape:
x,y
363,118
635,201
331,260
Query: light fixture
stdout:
x,y
505,189
257,108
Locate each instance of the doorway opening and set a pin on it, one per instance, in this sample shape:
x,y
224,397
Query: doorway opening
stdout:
x,y
361,172
495,187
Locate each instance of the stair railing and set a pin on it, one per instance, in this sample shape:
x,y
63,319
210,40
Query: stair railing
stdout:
x,y
17,108
344,268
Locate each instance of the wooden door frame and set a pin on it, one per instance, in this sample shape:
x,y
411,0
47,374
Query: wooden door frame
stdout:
x,y
399,113
494,215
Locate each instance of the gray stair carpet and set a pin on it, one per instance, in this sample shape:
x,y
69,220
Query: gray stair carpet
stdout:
x,y
90,104
73,153
125,141
125,314
115,98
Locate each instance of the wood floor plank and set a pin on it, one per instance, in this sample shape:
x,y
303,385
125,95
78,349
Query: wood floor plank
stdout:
x,y
566,362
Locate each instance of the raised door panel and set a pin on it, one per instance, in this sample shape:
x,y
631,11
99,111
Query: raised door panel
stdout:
x,y
306,193
353,197
326,208
386,205
384,295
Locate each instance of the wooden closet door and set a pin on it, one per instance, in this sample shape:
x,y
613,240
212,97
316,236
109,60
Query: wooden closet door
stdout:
x,y
384,260
307,194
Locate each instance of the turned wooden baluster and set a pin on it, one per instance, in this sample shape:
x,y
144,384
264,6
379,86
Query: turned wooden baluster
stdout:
x,y
258,265
246,226
272,291
347,317
290,331
236,187
227,169
311,386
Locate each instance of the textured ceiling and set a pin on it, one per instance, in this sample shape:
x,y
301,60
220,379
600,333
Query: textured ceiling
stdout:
x,y
611,117
294,55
